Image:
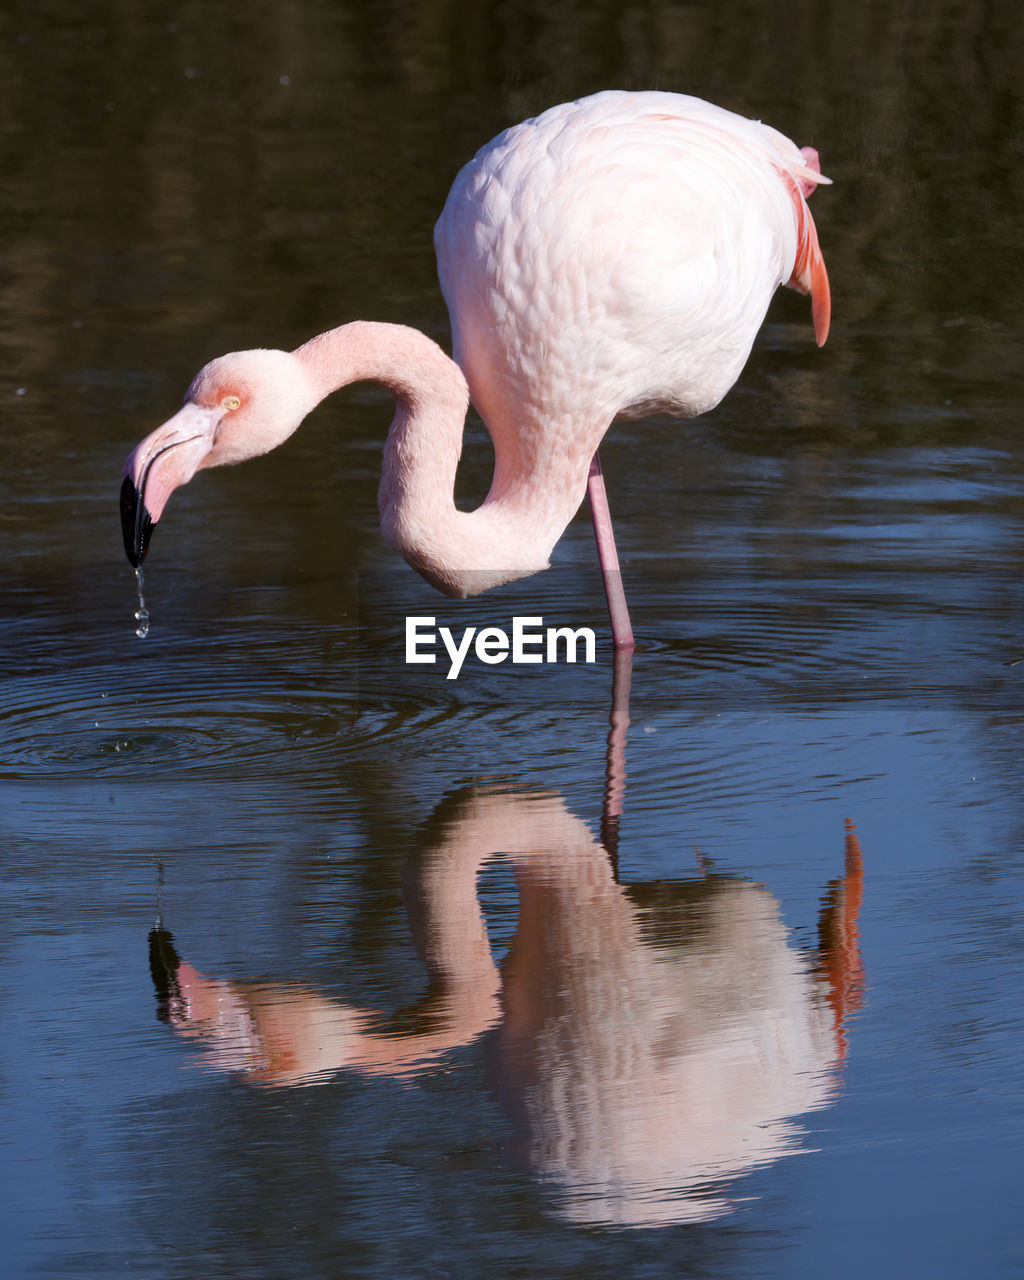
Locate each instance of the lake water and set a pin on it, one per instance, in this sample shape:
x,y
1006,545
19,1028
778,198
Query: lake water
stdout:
x,y
318,964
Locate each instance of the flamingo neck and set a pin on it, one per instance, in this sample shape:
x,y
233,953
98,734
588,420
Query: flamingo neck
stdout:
x,y
462,553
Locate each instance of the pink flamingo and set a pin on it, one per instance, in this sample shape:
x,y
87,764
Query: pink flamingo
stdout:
x,y
611,257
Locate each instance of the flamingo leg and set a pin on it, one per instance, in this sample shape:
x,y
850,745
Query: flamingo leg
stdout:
x,y
604,535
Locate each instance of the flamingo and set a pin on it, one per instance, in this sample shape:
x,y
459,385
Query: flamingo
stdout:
x,y
612,257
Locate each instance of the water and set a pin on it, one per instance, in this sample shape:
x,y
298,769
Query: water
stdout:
x,y
141,613
316,964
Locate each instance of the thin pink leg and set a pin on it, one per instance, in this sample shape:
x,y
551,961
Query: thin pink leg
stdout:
x,y
622,630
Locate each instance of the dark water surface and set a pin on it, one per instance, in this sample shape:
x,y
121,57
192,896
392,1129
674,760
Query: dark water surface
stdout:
x,y
315,964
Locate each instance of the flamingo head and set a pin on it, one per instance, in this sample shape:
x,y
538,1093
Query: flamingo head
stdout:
x,y
238,406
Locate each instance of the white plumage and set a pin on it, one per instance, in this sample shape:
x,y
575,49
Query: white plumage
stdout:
x,y
617,255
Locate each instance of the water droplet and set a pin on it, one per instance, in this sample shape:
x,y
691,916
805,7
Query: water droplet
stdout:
x,y
141,613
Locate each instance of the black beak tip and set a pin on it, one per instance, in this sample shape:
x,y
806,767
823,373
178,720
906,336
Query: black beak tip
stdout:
x,y
136,523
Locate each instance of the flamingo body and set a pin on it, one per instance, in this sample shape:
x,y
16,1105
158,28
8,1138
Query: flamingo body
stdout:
x,y
611,257
615,257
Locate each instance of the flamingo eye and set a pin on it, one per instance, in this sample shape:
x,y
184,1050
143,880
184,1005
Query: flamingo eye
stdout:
x,y
230,402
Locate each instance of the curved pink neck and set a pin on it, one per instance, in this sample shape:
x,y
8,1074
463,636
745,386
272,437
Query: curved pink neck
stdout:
x,y
462,553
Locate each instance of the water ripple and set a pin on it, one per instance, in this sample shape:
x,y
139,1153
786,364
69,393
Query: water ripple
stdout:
x,y
207,721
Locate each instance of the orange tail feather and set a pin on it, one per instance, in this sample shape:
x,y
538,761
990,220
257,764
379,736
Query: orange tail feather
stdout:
x,y
809,274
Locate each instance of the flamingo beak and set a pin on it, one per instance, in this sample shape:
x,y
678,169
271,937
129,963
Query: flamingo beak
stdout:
x,y
136,523
167,458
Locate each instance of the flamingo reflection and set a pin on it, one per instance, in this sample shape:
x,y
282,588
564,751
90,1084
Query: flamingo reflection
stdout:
x,y
650,1043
